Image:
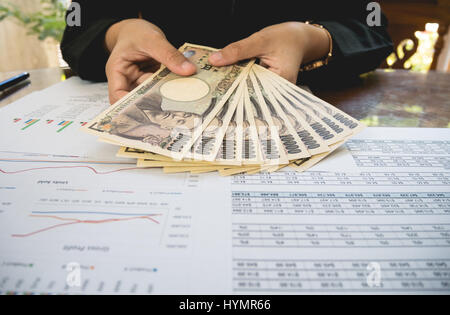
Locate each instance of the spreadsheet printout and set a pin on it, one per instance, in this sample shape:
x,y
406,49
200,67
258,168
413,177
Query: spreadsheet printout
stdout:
x,y
372,218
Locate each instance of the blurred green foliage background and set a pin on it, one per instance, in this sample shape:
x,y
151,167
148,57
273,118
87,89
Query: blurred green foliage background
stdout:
x,y
47,22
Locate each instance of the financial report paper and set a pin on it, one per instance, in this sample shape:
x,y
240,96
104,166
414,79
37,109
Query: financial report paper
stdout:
x,y
45,125
371,218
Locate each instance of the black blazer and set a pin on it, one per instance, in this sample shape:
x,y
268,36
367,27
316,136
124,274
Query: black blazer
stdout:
x,y
358,48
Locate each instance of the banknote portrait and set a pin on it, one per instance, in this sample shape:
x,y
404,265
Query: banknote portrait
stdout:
x,y
168,111
147,121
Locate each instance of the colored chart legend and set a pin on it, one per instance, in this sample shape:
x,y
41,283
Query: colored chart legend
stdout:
x,y
64,124
30,122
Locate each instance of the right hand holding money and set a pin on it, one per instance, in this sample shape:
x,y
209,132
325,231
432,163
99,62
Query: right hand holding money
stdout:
x,y
138,48
281,48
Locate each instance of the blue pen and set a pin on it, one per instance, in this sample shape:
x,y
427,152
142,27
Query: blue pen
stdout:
x,y
13,81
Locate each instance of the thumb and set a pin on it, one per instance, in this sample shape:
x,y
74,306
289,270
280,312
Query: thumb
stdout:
x,y
172,58
249,47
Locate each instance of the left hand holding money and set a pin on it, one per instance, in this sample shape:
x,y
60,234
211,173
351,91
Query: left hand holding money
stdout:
x,y
282,48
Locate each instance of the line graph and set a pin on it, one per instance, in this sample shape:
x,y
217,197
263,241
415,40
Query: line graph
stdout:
x,y
40,154
95,212
73,221
94,162
95,171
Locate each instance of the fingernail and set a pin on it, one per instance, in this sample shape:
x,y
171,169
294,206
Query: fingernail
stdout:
x,y
217,56
187,66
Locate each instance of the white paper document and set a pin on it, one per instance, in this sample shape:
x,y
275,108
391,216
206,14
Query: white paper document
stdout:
x,y
374,217
46,124
108,229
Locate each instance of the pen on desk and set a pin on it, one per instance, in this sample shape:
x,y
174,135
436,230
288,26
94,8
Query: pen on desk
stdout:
x,y
13,81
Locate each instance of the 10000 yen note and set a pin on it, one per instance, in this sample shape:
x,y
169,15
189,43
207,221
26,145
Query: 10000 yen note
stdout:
x,y
230,152
251,148
345,119
296,99
154,163
305,164
312,101
192,170
207,146
309,139
167,113
290,139
272,151
126,152
328,135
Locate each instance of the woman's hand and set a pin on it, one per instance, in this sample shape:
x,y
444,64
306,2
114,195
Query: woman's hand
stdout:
x,y
282,48
138,48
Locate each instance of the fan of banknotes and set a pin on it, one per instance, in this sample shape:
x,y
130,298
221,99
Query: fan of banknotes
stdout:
x,y
236,119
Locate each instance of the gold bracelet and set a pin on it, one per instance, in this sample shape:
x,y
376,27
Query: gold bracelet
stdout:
x,y
322,62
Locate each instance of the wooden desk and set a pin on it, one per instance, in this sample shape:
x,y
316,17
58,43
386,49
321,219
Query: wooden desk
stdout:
x,y
381,99
39,80
396,99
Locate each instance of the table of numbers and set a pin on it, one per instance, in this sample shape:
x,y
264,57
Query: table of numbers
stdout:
x,y
341,235
340,203
403,147
346,179
403,275
402,161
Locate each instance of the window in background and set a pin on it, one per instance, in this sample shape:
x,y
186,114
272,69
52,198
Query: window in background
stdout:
x,y
422,59
418,28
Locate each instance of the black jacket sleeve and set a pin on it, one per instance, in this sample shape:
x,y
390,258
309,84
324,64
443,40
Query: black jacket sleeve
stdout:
x,y
357,48
83,47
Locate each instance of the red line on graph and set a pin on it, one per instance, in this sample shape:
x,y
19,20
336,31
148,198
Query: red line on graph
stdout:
x,y
76,221
69,167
